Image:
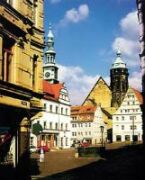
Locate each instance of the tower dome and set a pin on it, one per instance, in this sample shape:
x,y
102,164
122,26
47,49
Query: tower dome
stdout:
x,y
118,62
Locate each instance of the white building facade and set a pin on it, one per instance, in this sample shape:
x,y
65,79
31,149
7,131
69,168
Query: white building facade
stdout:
x,y
55,118
127,120
86,124
55,122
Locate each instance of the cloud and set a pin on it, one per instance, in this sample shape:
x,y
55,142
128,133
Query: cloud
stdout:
x,y
78,83
130,26
75,15
135,80
55,1
129,49
128,39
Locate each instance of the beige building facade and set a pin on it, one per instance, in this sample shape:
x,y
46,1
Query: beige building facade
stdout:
x,y
21,53
99,95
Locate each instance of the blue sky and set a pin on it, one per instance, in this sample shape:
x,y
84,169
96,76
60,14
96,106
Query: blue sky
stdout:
x,y
87,33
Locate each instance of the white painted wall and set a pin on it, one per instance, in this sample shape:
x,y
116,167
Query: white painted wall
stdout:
x,y
89,129
55,112
128,114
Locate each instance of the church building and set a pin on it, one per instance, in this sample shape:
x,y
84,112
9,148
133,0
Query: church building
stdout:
x,y
115,105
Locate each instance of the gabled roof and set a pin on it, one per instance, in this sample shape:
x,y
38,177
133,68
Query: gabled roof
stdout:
x,y
99,80
52,91
138,95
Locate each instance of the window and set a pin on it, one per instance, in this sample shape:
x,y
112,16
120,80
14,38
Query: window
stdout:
x,y
61,110
34,67
7,60
118,138
117,118
45,106
127,137
133,127
74,133
132,117
66,111
66,141
50,108
56,125
61,126
56,109
50,125
133,102
122,117
44,124
122,127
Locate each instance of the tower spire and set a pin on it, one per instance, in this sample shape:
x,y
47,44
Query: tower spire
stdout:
x,y
49,68
50,42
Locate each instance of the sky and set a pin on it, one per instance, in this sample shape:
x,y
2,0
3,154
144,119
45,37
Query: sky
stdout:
x,y
87,34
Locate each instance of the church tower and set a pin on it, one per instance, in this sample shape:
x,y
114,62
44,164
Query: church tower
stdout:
x,y
50,70
119,80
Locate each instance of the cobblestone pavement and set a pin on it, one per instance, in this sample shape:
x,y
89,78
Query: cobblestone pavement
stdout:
x,y
58,161
118,163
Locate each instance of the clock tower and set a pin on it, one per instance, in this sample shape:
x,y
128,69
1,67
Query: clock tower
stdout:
x,y
50,70
119,80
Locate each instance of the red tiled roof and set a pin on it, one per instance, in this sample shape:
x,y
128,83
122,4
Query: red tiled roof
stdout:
x,y
83,109
83,113
47,88
138,95
52,91
56,88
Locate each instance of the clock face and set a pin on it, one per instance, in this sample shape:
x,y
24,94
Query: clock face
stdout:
x,y
47,74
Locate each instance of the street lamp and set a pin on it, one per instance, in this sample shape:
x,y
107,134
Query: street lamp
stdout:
x,y
102,131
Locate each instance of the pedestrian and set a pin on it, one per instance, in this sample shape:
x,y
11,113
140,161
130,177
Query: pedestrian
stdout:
x,y
41,155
